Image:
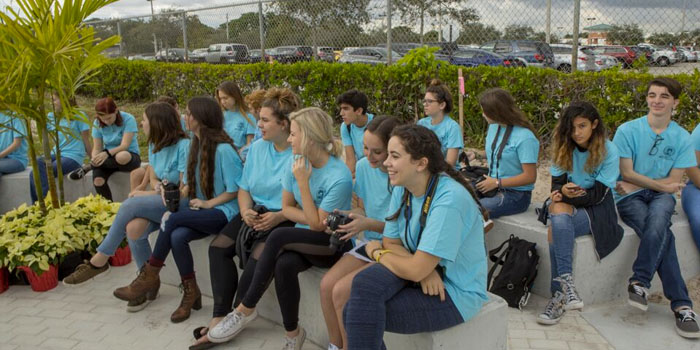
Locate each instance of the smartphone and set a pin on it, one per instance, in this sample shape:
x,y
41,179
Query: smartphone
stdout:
x,y
194,208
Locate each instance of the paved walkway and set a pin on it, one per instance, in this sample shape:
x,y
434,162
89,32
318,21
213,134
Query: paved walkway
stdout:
x,y
89,317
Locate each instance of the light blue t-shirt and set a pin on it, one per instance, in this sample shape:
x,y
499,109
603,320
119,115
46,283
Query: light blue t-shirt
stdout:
x,y
522,147
695,139
237,127
8,136
263,173
454,232
170,161
331,186
447,131
355,137
112,135
71,145
606,173
372,186
654,155
227,175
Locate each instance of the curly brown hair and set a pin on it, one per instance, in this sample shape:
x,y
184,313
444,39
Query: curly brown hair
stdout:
x,y
564,144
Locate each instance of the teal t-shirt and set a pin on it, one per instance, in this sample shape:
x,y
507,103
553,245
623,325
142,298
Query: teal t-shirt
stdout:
x,y
263,173
70,143
654,155
111,135
8,136
237,127
170,161
355,137
522,147
606,173
331,186
448,132
454,232
372,186
228,169
695,139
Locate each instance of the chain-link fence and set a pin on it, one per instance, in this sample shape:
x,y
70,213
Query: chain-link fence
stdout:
x,y
664,34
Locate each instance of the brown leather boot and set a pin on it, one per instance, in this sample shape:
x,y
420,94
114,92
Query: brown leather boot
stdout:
x,y
191,299
146,283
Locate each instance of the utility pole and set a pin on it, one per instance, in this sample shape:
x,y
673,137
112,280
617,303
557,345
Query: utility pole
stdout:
x,y
685,8
119,32
261,25
227,38
153,23
574,53
184,35
388,31
548,30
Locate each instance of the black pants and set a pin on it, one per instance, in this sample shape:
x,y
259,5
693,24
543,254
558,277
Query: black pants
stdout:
x,y
109,167
289,251
222,269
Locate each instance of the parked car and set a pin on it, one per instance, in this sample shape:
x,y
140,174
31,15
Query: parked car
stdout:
x,y
526,52
292,54
661,55
198,55
402,48
369,55
624,54
641,51
687,55
141,58
227,53
477,57
445,50
171,55
606,62
325,53
563,55
255,56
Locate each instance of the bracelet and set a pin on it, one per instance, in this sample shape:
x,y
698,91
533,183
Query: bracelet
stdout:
x,y
381,253
371,254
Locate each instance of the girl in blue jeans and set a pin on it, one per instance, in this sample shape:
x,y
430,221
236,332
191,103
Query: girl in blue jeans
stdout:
x,y
512,149
585,168
141,213
690,198
431,266
208,202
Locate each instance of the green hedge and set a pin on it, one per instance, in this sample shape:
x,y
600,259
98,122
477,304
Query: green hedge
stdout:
x,y
541,93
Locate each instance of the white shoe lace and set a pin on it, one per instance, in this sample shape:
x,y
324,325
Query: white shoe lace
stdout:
x,y
553,304
569,290
639,290
230,321
687,315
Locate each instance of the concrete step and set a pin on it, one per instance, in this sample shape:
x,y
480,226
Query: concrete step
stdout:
x,y
14,188
596,281
487,330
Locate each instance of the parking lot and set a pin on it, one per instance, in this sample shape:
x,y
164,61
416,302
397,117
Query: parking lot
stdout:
x,y
678,68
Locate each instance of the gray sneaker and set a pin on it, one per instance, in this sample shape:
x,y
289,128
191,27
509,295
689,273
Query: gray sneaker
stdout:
x,y
638,296
687,324
553,311
296,342
83,273
230,326
571,299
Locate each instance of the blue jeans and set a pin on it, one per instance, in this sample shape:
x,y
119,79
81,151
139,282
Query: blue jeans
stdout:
x,y
181,228
506,202
150,208
10,166
67,165
379,301
691,205
648,213
565,229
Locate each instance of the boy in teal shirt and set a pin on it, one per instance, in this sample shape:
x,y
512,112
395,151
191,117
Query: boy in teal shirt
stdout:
x,y
353,110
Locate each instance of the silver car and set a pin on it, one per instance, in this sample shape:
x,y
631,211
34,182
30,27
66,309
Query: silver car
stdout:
x,y
563,54
368,55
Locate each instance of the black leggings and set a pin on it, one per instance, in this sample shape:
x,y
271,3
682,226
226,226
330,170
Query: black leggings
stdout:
x,y
109,167
289,251
223,271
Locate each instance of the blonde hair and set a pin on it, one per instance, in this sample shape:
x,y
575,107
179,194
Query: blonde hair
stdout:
x,y
316,128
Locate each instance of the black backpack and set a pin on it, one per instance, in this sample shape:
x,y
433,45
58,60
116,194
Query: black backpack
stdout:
x,y
518,263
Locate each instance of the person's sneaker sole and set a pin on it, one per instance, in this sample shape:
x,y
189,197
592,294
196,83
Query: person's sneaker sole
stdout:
x,y
638,305
86,282
252,316
547,322
684,334
574,306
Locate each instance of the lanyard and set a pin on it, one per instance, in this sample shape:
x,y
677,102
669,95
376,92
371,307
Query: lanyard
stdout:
x,y
432,184
496,159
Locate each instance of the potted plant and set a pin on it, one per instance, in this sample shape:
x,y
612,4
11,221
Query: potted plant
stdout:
x,y
122,256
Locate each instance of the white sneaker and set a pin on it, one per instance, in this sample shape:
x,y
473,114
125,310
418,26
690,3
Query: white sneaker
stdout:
x,y
230,326
296,342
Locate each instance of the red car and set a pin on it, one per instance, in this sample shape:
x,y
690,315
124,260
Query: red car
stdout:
x,y
624,54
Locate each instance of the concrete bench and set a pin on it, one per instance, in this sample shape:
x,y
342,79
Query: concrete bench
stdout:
x,y
487,330
14,188
597,281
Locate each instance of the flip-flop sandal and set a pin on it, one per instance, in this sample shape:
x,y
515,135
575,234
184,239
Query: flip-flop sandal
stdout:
x,y
203,346
197,333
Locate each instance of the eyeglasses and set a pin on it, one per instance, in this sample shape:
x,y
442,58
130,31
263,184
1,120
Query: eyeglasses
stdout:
x,y
428,101
655,148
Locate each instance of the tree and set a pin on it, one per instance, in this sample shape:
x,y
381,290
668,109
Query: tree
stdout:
x,y
628,34
542,36
431,36
417,10
404,34
662,39
518,32
45,48
477,33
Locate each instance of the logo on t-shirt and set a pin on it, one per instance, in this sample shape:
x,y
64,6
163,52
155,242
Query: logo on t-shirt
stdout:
x,y
240,126
669,151
320,194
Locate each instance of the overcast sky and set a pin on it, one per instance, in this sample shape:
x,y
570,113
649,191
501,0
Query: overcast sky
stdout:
x,y
651,15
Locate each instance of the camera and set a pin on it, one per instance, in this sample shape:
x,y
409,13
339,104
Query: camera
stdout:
x,y
171,192
334,220
491,193
260,209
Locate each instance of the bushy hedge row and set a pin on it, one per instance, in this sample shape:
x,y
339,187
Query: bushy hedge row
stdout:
x,y
541,93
